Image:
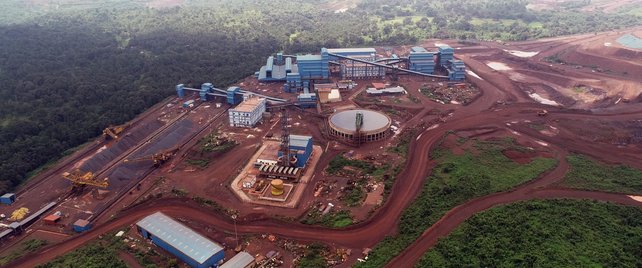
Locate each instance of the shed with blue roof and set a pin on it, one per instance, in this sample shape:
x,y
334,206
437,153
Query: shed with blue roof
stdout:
x,y
189,246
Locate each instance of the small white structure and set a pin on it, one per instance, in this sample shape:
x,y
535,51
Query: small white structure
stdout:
x,y
240,260
247,113
390,90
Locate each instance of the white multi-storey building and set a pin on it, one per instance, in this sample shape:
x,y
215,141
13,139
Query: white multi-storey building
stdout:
x,y
248,112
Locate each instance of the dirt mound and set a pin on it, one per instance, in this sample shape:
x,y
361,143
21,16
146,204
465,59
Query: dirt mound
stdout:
x,y
519,157
604,63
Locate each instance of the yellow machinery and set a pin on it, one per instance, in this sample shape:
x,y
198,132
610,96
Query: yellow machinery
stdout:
x,y
277,187
113,132
80,179
19,214
158,158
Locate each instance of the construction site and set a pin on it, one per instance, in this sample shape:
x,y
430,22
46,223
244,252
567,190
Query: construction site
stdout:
x,y
329,148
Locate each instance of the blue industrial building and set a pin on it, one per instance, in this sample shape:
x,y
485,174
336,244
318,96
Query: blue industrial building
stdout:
x,y
8,198
299,72
205,88
277,69
293,83
456,70
446,53
180,90
301,146
178,239
365,53
307,100
234,96
421,60
314,66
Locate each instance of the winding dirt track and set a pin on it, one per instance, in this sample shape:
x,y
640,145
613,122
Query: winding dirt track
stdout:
x,y
481,113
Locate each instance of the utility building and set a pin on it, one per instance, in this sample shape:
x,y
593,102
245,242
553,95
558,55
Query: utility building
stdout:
x,y
301,147
240,260
421,60
248,113
183,242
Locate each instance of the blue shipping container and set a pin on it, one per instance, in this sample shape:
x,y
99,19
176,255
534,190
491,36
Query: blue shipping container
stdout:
x,y
8,198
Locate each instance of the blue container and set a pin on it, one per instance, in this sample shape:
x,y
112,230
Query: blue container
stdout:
x,y
188,103
81,226
8,198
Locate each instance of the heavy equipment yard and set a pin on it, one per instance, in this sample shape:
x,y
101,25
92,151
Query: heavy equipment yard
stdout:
x,y
278,179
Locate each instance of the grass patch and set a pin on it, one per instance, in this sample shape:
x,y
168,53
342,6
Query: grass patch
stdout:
x,y
401,148
338,163
552,233
580,89
414,99
98,255
455,180
313,257
179,192
335,219
537,126
554,59
215,143
586,173
25,248
354,193
201,163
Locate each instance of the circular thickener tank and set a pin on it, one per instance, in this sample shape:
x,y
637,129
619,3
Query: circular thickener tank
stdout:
x,y
371,125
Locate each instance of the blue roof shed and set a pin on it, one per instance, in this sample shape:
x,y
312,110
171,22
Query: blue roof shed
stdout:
x,y
8,198
81,225
178,239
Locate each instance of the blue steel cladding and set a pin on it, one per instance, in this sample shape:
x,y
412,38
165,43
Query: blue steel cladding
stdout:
x,y
180,90
180,236
81,229
301,144
421,60
8,198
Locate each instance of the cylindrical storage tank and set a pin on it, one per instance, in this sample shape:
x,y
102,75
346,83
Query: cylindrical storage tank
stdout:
x,y
277,187
374,126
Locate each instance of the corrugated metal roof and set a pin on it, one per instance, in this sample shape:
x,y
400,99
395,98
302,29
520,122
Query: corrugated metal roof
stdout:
x,y
38,213
390,90
418,49
352,50
308,57
299,140
239,260
5,233
180,237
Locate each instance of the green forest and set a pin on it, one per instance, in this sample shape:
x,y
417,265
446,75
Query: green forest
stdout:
x,y
555,233
70,68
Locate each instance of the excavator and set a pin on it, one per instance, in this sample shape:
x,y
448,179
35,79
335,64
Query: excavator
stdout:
x,y
159,158
80,179
113,132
